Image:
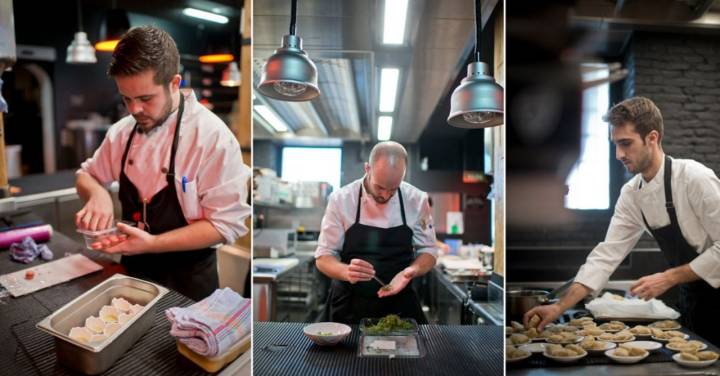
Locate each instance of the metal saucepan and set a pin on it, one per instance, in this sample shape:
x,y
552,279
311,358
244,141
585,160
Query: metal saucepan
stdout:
x,y
520,300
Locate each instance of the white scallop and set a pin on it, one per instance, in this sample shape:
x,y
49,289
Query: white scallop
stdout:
x,y
94,324
109,314
135,308
97,338
121,304
123,318
80,334
111,328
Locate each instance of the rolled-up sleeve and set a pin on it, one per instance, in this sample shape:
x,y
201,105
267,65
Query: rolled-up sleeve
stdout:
x,y
332,230
424,239
622,235
223,189
704,195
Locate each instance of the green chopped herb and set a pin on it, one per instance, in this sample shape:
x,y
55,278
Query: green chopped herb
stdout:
x,y
387,324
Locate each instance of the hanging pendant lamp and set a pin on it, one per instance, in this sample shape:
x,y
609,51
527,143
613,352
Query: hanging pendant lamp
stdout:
x,y
478,101
289,74
80,51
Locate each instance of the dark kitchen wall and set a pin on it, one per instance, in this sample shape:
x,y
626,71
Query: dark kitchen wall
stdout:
x,y
449,179
681,74
83,89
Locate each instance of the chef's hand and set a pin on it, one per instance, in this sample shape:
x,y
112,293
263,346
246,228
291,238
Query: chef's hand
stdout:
x,y
548,313
651,286
398,283
138,241
97,214
358,271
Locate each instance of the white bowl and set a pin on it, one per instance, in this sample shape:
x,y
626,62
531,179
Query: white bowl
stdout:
x,y
676,327
625,359
565,359
665,340
326,333
692,364
667,345
645,345
534,348
608,345
577,340
513,360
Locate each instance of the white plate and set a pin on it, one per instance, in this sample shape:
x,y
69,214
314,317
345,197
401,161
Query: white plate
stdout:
x,y
625,359
665,340
704,346
678,326
608,346
535,348
578,340
612,330
646,345
617,341
565,359
692,364
508,360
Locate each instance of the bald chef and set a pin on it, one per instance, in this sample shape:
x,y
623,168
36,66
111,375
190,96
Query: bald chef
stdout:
x,y
376,228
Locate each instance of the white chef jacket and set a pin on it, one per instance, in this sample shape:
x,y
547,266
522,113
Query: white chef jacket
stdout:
x,y
696,196
208,155
342,209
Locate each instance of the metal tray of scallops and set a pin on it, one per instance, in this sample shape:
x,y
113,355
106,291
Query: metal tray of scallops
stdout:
x,y
97,359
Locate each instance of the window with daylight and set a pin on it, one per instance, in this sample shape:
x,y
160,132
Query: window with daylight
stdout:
x,y
589,181
312,164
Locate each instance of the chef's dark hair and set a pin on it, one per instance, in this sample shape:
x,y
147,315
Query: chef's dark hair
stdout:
x,y
143,48
641,112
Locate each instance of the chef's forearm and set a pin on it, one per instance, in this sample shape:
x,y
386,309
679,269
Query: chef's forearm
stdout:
x,y
200,234
574,294
332,267
681,274
423,263
87,186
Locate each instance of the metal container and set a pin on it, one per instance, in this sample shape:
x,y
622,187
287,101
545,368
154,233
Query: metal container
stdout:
x,y
519,301
97,359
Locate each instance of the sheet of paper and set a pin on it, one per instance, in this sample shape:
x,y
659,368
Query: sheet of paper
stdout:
x,y
48,274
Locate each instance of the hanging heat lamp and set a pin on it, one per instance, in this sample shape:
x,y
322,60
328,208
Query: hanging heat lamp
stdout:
x,y
478,101
80,51
115,25
289,74
230,75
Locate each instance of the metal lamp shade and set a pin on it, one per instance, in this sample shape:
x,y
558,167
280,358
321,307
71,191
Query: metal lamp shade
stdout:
x,y
80,51
478,101
289,75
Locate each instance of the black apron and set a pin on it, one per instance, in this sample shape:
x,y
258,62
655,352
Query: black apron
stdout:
x,y
389,250
699,302
192,273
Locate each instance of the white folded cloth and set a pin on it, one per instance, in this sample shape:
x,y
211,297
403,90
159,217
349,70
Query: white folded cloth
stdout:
x,y
614,306
213,325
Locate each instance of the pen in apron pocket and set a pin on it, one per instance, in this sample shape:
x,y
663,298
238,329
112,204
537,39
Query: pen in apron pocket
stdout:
x,y
184,181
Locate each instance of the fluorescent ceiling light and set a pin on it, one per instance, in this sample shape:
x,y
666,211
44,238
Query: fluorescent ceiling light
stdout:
x,y
388,88
394,23
272,119
384,127
203,15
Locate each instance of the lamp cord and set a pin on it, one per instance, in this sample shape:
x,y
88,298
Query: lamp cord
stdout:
x,y
478,29
293,16
79,14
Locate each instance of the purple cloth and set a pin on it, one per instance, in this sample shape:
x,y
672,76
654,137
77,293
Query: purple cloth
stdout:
x,y
28,250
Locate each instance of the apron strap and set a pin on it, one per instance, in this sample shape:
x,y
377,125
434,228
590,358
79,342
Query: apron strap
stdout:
x,y
357,214
402,206
127,147
669,206
171,169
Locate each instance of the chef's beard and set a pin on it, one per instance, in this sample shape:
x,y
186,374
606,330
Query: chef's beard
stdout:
x,y
164,115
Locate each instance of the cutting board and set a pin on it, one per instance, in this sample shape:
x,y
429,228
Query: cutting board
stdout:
x,y
48,274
